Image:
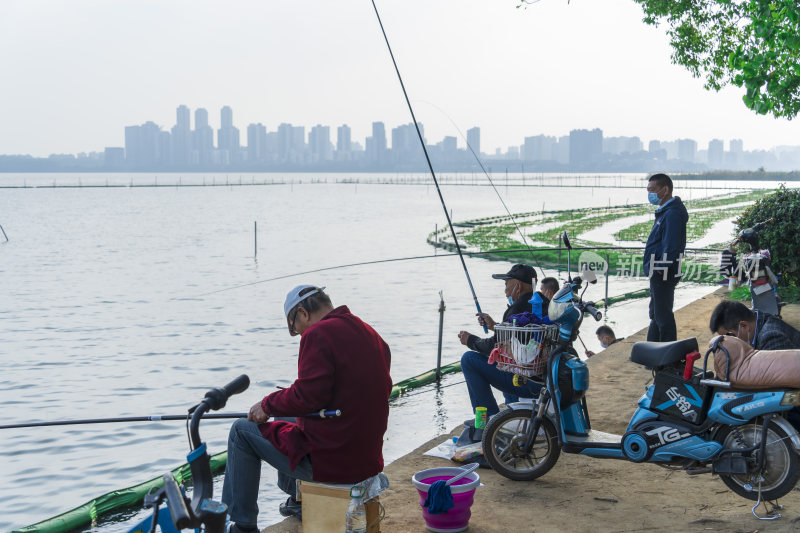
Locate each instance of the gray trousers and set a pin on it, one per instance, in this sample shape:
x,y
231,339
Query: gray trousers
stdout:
x,y
247,447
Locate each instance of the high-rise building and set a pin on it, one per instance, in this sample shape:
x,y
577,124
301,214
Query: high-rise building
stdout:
x,y
716,152
298,149
377,148
343,141
538,148
561,150
735,156
203,137
621,145
319,143
687,150
181,138
585,146
256,143
474,140
228,136
449,147
146,146
284,141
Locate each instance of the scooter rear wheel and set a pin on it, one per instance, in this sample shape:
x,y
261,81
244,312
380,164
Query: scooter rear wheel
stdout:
x,y
504,441
781,469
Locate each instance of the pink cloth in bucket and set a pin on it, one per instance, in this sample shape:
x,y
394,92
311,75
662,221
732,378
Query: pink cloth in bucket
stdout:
x,y
456,518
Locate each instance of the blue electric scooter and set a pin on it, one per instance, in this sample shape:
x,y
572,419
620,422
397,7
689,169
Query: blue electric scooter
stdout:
x,y
686,419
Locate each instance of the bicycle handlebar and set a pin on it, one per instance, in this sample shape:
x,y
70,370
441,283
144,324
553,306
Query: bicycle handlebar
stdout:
x,y
216,398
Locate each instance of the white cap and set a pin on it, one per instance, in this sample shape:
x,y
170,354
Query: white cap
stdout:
x,y
294,297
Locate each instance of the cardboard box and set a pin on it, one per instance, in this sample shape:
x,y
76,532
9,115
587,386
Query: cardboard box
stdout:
x,y
325,508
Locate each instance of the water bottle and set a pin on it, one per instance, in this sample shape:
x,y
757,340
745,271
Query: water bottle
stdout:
x,y
356,518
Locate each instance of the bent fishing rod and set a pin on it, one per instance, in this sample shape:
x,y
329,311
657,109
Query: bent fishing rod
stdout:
x,y
430,166
323,413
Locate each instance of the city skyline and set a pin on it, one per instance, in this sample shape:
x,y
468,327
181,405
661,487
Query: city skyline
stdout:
x,y
194,144
82,69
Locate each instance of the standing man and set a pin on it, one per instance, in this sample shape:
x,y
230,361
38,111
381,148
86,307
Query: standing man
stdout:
x,y
343,364
662,256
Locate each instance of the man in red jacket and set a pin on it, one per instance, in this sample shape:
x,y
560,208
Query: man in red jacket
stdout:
x,y
343,364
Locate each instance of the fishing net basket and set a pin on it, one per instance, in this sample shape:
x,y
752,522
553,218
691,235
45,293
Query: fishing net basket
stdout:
x,y
523,350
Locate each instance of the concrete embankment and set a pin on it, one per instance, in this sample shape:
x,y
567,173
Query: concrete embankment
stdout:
x,y
583,494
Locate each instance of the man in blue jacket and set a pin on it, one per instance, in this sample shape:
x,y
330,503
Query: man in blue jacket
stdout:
x,y
663,255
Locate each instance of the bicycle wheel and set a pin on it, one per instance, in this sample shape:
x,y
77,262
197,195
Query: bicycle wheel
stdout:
x,y
781,470
504,439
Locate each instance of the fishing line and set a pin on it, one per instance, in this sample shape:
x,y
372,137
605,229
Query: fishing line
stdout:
x,y
426,390
430,166
430,256
480,163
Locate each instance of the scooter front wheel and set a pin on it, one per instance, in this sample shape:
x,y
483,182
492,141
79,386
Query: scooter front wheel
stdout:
x,y
781,470
504,445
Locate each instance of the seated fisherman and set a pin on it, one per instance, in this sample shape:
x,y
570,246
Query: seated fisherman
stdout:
x,y
762,331
343,364
606,337
479,375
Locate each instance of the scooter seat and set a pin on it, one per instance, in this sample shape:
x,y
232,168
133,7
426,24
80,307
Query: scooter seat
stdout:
x,y
656,354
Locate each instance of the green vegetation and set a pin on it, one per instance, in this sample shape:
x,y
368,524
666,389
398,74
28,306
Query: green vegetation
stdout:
x,y
740,294
754,44
699,224
719,201
587,222
699,221
491,234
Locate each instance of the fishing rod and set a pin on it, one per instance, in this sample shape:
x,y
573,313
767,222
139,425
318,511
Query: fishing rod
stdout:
x,y
430,166
491,182
323,413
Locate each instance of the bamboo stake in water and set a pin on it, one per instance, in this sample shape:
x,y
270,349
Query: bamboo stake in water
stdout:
x,y
441,325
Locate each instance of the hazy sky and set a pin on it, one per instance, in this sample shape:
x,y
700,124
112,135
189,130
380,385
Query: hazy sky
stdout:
x,y
74,73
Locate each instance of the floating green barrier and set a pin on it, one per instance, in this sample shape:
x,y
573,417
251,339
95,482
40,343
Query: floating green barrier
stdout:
x,y
90,511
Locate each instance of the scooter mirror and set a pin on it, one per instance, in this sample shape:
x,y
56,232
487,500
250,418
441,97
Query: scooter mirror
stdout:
x,y
565,239
589,276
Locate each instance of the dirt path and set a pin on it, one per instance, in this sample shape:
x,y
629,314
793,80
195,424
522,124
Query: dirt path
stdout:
x,y
591,495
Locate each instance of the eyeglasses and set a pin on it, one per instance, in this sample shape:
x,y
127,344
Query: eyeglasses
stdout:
x,y
294,318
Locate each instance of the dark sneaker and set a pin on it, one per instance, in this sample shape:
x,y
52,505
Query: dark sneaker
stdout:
x,y
291,508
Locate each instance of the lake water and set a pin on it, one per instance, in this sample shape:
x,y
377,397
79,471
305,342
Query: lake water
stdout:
x,y
134,301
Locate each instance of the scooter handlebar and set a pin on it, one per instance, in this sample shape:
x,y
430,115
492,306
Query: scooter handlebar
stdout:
x,y
597,315
761,225
181,516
